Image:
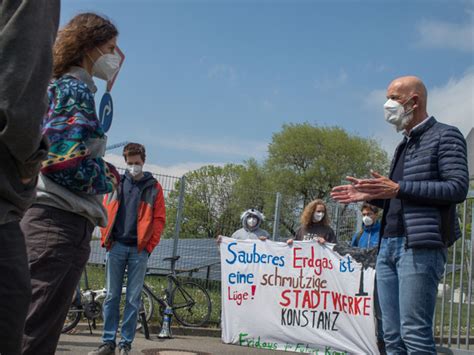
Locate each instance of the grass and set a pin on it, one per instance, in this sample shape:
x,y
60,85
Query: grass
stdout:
x,y
158,284
455,308
454,322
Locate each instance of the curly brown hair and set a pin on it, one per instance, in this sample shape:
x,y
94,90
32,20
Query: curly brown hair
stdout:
x,y
307,215
83,33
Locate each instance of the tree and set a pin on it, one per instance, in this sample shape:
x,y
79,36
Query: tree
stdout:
x,y
216,196
253,190
306,161
208,194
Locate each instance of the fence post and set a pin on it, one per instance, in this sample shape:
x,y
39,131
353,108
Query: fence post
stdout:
x,y
179,214
471,271
276,220
337,220
359,221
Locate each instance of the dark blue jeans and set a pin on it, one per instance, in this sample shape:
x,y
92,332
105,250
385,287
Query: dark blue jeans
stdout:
x,y
407,283
119,258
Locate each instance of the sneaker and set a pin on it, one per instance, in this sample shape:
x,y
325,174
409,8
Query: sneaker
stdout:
x,y
125,349
104,349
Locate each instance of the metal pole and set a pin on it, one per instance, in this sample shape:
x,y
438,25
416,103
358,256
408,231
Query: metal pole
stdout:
x,y
461,288
276,220
337,221
451,304
471,269
359,221
179,215
443,303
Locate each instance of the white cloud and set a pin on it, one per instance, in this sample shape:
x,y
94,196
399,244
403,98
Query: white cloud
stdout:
x,y
453,103
375,100
172,170
328,83
241,148
440,34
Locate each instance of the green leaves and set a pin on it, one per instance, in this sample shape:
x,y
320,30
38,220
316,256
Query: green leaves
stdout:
x,y
304,162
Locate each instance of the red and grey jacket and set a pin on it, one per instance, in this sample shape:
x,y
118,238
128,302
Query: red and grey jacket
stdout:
x,y
150,218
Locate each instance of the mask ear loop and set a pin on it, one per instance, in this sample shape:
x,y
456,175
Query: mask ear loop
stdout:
x,y
410,110
90,58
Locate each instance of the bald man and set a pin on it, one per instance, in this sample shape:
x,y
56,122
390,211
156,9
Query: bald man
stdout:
x,y
428,177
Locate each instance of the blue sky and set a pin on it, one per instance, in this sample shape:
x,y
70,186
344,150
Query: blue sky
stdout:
x,y
209,82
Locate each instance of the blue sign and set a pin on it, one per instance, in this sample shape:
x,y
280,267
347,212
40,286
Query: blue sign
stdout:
x,y
106,112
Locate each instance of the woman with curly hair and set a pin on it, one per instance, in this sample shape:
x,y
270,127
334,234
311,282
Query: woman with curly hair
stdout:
x,y
74,176
315,224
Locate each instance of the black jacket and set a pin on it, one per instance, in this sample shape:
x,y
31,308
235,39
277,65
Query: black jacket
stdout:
x,y
435,179
27,32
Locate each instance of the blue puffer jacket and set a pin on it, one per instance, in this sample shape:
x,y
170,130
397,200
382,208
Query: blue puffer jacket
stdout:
x,y
368,237
435,179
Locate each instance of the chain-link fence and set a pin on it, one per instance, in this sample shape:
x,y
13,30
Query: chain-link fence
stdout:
x,y
197,214
169,184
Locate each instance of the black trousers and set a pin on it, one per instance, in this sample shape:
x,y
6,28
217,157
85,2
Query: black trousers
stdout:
x,y
15,288
58,248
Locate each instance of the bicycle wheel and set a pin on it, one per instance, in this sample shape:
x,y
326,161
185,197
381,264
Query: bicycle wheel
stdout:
x,y
148,306
73,317
144,322
191,304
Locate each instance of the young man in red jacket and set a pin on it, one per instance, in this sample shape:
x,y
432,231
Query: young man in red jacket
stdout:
x,y
136,218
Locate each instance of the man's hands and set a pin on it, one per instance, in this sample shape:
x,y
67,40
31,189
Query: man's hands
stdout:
x,y
378,187
348,193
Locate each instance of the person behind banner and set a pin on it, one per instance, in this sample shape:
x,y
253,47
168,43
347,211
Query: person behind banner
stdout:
x,y
315,224
73,178
136,218
252,220
428,177
369,234
367,238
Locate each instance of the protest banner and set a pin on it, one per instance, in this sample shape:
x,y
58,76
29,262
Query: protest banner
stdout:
x,y
304,298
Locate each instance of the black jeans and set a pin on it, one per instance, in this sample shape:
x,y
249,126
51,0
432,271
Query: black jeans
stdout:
x,y
58,248
15,288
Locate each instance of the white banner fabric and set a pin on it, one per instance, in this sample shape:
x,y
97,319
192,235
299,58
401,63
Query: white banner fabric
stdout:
x,y
302,298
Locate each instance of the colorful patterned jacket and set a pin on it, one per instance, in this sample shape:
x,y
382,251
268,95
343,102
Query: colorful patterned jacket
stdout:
x,y
71,125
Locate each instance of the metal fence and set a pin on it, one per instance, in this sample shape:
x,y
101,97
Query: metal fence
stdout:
x,y
195,218
454,316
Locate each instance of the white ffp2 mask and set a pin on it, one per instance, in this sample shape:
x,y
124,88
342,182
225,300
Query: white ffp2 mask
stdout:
x,y
252,222
395,114
318,216
367,220
134,169
106,66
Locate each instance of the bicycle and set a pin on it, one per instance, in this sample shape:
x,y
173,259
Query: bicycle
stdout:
x,y
189,302
88,304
